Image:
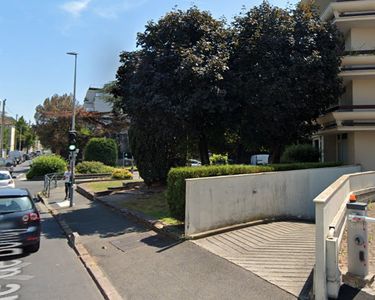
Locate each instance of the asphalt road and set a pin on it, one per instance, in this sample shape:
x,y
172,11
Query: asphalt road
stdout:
x,y
54,272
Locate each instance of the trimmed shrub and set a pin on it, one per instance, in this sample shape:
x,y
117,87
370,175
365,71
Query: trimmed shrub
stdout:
x,y
121,174
46,164
101,149
176,179
219,159
156,150
300,153
93,167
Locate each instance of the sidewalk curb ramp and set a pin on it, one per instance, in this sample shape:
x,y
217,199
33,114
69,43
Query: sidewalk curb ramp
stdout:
x,y
139,217
102,282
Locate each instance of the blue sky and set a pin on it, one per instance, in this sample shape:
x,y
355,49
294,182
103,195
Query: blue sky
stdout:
x,y
36,34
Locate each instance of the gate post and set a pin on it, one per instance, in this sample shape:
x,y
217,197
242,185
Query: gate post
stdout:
x,y
357,239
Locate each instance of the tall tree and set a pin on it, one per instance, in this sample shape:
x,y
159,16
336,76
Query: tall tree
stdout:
x,y
155,138
53,122
178,76
285,67
25,135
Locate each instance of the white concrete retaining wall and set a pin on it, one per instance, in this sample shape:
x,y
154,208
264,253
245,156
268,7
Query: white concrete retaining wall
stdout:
x,y
216,202
328,205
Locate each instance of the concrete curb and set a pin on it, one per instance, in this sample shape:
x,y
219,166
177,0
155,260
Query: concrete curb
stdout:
x,y
104,285
136,216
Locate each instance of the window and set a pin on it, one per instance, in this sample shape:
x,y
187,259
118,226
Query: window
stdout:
x,y
15,204
4,176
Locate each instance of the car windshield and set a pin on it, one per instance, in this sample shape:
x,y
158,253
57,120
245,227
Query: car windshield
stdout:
x,y
15,204
4,176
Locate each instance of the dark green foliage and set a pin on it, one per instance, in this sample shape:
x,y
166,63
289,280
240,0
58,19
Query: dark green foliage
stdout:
x,y
93,167
300,153
173,86
284,74
155,152
176,179
46,164
195,85
101,149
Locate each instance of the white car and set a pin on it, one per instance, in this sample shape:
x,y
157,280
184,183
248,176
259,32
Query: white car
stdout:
x,y
194,163
6,180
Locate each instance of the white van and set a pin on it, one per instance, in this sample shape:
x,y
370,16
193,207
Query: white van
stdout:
x,y
259,159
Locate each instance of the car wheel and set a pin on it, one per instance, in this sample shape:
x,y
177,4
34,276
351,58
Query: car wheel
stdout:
x,y
32,248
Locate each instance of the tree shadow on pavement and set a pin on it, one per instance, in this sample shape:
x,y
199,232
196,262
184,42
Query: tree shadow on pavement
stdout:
x,y
162,242
96,219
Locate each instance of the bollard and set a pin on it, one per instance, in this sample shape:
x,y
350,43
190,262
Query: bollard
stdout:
x,y
357,239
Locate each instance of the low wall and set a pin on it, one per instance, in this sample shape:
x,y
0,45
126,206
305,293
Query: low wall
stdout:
x,y
216,202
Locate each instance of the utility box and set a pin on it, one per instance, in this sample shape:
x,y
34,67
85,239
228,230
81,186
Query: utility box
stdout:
x,y
357,239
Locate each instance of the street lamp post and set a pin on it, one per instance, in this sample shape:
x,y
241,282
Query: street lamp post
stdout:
x,y
74,153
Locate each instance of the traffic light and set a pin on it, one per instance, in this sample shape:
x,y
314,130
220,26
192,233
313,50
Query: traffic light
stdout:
x,y
72,140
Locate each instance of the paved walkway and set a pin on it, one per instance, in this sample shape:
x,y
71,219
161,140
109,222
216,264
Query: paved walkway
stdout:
x,y
144,265
280,252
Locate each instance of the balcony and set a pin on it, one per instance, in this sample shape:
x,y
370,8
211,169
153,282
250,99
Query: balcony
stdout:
x,y
358,65
348,14
348,118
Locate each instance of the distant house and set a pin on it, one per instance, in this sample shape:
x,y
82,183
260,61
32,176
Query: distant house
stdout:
x,y
348,129
95,101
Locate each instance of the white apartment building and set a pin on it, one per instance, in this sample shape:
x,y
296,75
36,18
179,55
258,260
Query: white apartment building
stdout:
x,y
348,129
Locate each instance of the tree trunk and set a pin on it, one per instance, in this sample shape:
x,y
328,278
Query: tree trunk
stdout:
x,y
275,154
242,157
203,150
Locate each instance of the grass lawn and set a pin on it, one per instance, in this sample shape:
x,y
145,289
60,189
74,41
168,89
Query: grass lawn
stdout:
x,y
154,205
100,186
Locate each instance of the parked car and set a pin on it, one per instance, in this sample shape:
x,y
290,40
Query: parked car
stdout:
x,y
259,159
19,214
16,156
6,179
7,164
193,163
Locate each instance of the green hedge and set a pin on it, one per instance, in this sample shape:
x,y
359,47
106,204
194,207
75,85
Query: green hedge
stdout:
x,y
177,176
93,167
46,164
300,153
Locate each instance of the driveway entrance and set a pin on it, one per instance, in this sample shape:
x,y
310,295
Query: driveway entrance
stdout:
x,y
282,253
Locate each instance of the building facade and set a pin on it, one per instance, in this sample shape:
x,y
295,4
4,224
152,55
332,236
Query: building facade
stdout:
x,y
348,129
95,101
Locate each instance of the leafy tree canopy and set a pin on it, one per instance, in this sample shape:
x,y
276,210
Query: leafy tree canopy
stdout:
x,y
285,68
178,74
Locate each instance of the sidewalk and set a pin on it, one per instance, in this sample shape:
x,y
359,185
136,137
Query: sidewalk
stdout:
x,y
144,265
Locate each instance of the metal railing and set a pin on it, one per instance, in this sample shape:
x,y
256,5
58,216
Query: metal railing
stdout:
x,y
51,179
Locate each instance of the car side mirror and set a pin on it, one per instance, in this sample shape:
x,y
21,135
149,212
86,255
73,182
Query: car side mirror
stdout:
x,y
36,200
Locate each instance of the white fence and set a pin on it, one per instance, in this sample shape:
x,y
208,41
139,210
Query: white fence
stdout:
x,y
216,202
330,207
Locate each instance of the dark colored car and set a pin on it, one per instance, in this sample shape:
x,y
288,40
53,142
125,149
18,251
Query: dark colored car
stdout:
x,y
19,218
